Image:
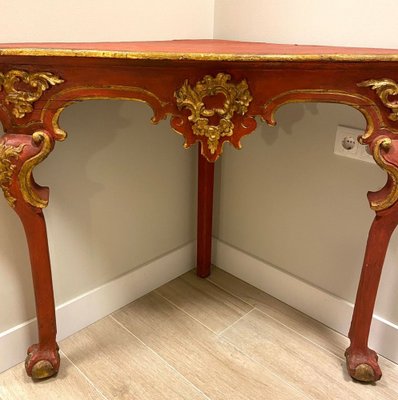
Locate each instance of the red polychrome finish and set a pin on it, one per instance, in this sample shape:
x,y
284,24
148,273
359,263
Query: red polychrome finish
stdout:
x,y
212,91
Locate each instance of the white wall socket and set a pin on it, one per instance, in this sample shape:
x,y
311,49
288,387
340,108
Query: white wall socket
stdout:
x,y
347,145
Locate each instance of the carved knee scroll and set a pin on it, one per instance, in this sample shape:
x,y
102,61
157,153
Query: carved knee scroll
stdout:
x,y
19,154
385,153
382,140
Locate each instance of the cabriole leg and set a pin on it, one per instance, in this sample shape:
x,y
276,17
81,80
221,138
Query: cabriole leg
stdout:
x,y
19,154
361,361
43,358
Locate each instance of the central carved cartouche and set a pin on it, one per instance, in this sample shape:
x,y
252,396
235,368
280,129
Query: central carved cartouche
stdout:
x,y
237,100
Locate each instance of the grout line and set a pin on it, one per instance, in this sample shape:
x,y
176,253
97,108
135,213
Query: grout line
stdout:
x,y
300,334
84,376
237,349
159,356
242,352
182,310
264,366
229,292
280,322
234,323
212,283
220,339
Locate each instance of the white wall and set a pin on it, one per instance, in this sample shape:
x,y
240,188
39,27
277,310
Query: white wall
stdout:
x,y
121,193
362,23
296,205
105,20
122,189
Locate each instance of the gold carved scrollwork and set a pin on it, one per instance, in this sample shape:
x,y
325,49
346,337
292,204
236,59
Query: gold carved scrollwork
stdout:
x,y
385,88
237,100
22,100
385,144
8,154
25,174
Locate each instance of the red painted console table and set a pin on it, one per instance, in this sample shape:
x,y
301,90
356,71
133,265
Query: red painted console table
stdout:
x,y
212,90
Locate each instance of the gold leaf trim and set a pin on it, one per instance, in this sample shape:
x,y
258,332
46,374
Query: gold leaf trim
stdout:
x,y
237,100
22,100
25,175
385,144
384,89
129,93
7,167
199,56
371,114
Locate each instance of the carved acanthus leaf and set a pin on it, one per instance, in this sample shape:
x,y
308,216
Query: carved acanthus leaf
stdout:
x,y
8,155
384,89
14,83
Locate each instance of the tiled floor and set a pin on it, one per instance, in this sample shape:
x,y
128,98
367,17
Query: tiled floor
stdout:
x,y
197,339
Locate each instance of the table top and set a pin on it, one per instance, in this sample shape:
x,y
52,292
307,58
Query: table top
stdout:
x,y
221,50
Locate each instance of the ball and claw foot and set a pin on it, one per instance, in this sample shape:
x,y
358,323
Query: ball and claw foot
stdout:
x,y
42,363
363,367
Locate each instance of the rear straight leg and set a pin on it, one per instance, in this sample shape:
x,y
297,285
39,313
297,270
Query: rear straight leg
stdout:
x,y
205,215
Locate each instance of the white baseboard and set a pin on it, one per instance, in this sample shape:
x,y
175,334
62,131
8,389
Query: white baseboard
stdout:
x,y
323,306
88,308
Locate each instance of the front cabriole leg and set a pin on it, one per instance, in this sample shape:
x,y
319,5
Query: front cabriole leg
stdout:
x,y
361,361
19,154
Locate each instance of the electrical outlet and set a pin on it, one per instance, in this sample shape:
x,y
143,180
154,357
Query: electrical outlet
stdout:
x,y
346,144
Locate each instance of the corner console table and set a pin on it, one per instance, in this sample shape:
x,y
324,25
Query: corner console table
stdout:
x,y
212,90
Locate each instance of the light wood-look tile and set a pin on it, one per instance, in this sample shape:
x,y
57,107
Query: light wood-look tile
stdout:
x,y
207,303
249,346
69,384
124,368
317,372
294,319
214,366
306,326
